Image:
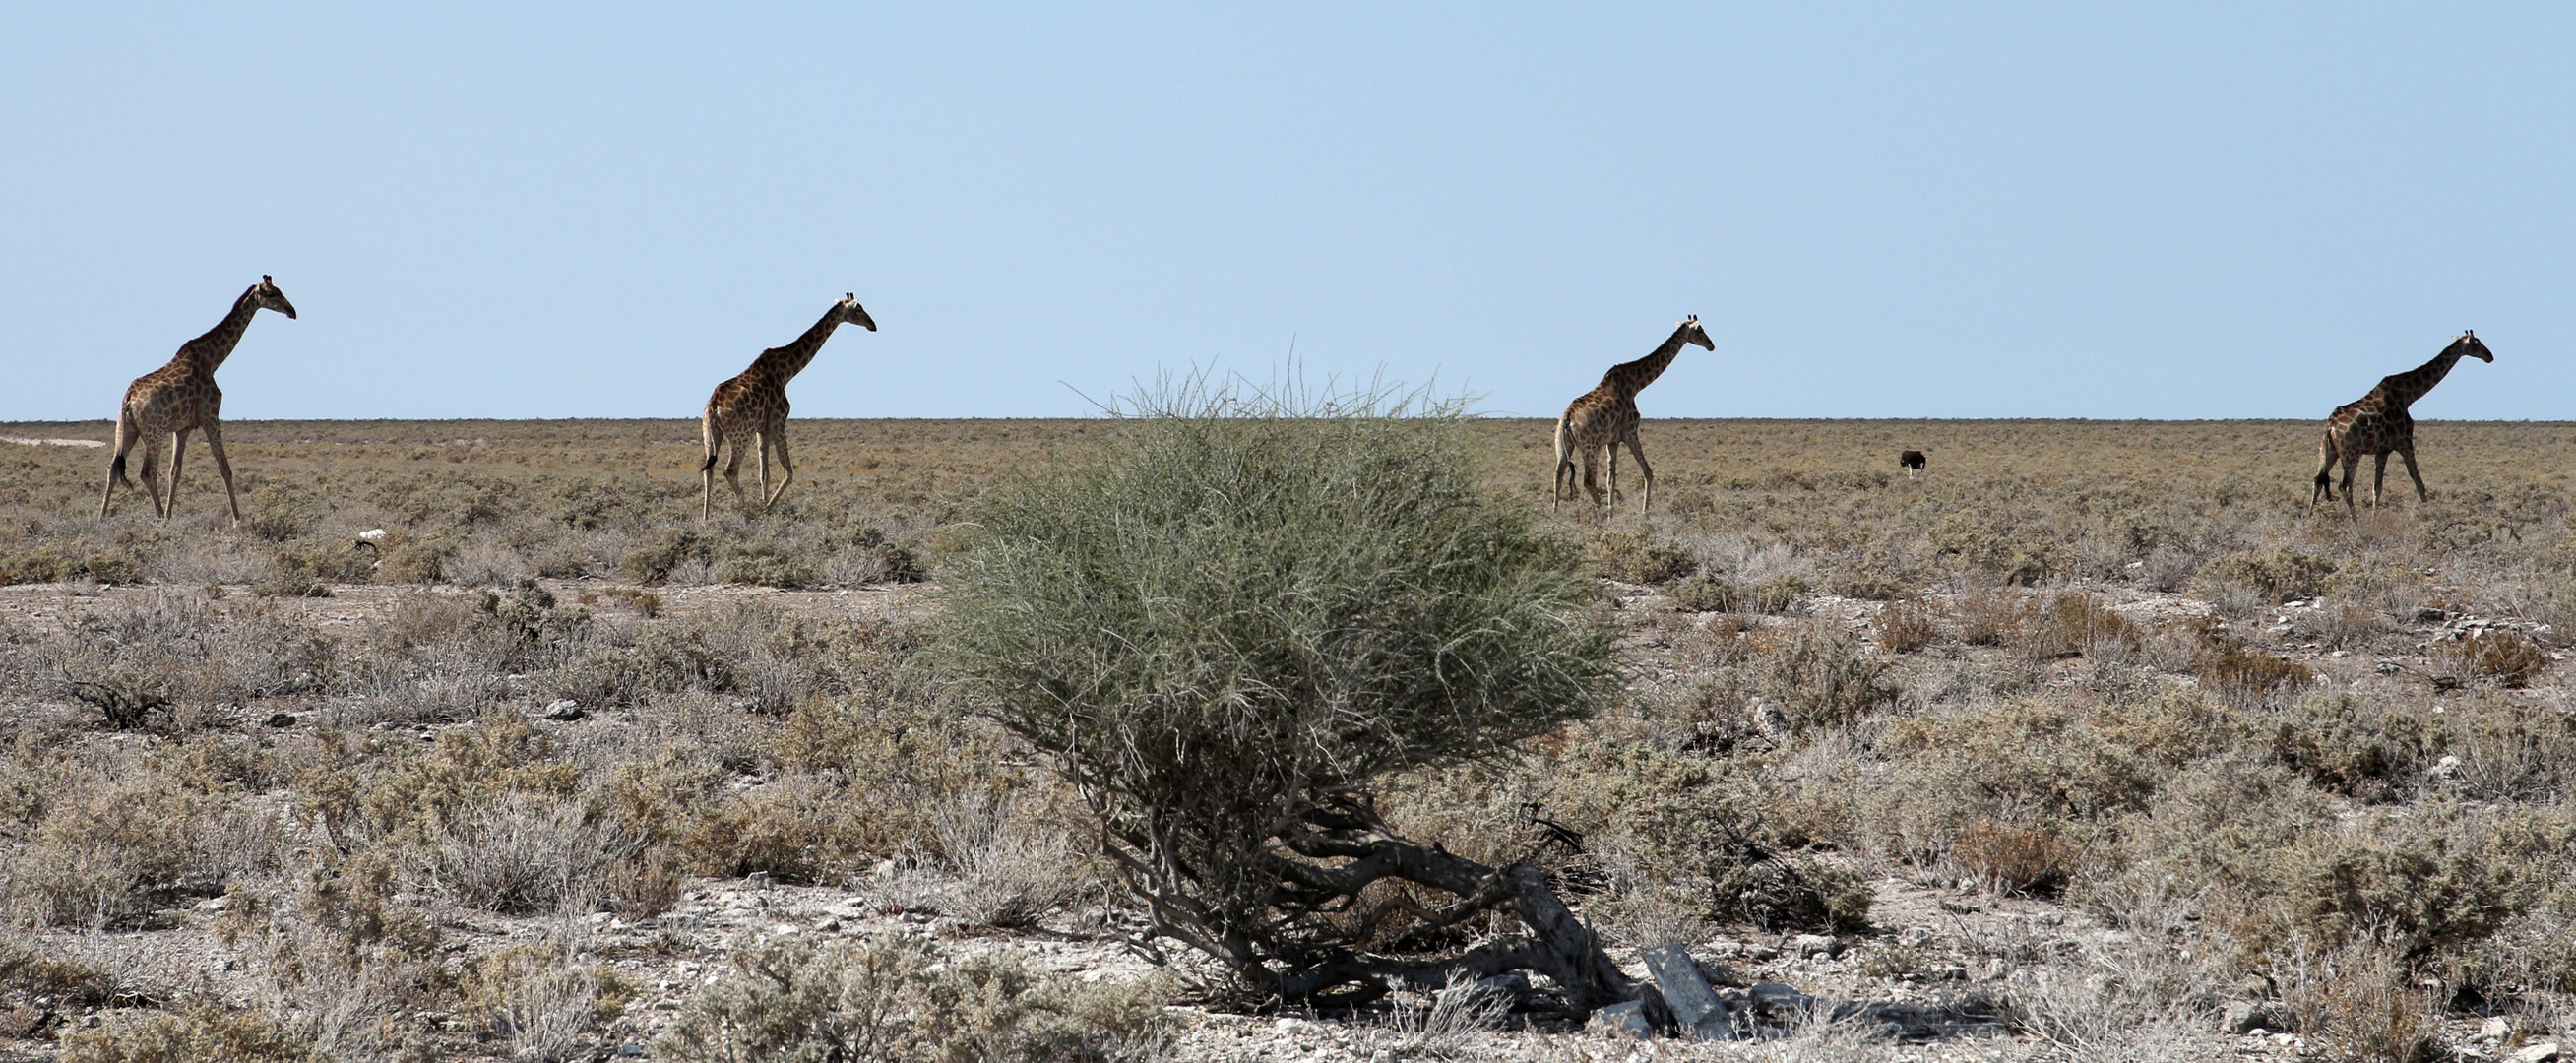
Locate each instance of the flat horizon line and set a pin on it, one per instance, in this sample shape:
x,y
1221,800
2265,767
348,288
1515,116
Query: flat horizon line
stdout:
x,y
110,423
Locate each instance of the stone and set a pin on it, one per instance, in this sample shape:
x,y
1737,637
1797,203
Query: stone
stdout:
x,y
1696,1007
2444,769
2544,1052
1915,937
1626,1019
2495,1028
2248,1016
1780,1003
565,710
1825,945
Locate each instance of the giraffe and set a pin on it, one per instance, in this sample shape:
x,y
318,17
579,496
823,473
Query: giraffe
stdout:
x,y
181,397
754,406
1606,416
2377,424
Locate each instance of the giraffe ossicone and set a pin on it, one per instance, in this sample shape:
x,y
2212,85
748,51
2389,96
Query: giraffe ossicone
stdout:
x,y
1606,416
180,398
751,408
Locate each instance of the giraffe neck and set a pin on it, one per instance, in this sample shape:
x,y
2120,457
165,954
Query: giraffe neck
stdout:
x,y
2404,388
785,362
1629,378
209,351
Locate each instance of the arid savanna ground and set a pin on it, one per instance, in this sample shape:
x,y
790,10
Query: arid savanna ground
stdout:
x,y
2093,741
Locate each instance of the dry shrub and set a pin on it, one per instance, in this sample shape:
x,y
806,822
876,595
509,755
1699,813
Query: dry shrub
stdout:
x,y
2432,887
2495,658
356,966
2348,624
893,997
1778,594
2369,748
1706,592
798,828
1823,677
2074,624
2262,578
2358,1005
527,853
1637,557
210,1032
540,1005
31,972
1747,883
1458,1012
1993,617
46,564
107,851
307,569
2239,675
409,558
1909,624
2022,858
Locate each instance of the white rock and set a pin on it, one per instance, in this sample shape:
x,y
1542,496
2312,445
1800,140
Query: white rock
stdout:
x,y
1624,1019
2539,1053
1825,945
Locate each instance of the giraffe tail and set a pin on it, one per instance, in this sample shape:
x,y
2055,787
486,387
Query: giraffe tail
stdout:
x,y
707,432
116,465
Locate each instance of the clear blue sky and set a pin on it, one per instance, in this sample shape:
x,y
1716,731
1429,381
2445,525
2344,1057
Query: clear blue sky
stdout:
x,y
2050,210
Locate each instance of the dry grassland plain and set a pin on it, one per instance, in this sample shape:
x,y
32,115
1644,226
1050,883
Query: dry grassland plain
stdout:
x,y
2091,741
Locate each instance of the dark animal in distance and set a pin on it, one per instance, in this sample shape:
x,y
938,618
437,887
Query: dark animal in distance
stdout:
x,y
1913,462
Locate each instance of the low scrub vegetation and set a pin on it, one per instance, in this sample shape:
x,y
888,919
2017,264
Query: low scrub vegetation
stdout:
x,y
2297,760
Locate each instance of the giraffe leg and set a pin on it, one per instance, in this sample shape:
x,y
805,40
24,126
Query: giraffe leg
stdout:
x,y
2325,473
1643,470
2378,477
150,473
733,468
178,450
2351,467
223,466
2421,495
1615,497
1592,478
786,468
1562,482
762,443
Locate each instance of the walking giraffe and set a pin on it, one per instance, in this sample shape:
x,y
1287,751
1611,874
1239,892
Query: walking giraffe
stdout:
x,y
754,406
1606,416
2378,425
181,397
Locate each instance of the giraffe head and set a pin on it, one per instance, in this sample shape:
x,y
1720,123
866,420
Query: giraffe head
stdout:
x,y
2468,344
1691,332
266,295
855,314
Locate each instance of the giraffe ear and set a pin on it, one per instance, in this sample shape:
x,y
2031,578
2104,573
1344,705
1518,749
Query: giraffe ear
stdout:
x,y
266,279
